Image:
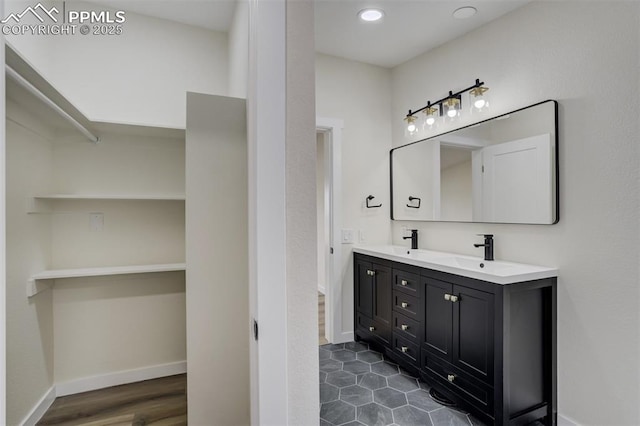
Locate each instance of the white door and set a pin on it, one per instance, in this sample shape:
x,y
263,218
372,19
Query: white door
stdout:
x,y
517,181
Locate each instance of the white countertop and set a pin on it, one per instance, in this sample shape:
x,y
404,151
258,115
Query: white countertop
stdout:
x,y
497,271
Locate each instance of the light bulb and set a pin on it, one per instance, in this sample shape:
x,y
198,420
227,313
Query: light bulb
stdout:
x,y
430,115
430,120
411,128
479,101
452,113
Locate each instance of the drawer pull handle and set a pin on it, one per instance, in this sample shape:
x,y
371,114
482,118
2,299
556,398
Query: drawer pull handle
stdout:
x,y
451,377
370,272
372,329
404,282
454,298
447,296
404,327
404,304
404,349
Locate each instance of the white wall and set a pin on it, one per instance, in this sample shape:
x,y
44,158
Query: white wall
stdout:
x,y
302,285
359,94
151,307
217,265
587,59
29,325
238,48
320,212
456,193
138,77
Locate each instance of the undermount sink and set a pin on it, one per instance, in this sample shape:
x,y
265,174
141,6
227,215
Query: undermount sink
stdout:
x,y
496,271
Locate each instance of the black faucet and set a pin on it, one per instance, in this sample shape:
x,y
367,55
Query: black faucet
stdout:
x,y
414,239
488,246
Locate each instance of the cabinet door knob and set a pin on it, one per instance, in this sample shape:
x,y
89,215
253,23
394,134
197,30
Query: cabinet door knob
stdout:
x,y
404,327
451,377
372,329
404,304
404,282
370,272
404,349
447,296
454,298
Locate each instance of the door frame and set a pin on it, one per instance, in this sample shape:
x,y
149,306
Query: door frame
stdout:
x,y
331,128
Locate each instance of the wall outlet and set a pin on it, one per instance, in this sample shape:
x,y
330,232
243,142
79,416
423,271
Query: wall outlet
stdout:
x,y
96,222
348,236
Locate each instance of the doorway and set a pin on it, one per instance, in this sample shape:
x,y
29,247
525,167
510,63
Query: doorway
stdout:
x,y
328,179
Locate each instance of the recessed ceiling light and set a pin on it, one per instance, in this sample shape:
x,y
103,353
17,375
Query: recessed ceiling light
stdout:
x,y
464,12
370,15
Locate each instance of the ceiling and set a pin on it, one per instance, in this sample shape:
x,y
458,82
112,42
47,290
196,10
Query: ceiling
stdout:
x,y
409,27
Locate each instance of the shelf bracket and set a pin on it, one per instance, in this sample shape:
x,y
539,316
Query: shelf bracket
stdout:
x,y
36,286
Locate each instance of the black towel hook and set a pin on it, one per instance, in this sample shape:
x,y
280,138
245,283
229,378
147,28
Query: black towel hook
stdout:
x,y
369,198
411,199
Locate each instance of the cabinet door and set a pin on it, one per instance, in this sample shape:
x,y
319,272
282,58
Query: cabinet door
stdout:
x,y
382,296
438,318
473,315
364,288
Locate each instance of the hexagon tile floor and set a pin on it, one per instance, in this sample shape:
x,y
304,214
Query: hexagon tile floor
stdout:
x,y
359,387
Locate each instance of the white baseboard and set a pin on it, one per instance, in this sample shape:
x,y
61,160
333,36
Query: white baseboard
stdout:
x,y
566,421
120,378
40,408
322,289
344,337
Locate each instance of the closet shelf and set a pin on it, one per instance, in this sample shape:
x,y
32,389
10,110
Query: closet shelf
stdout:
x,y
43,280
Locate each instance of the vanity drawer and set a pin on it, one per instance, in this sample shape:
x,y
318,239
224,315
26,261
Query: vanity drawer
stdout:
x,y
406,327
372,328
406,305
473,391
406,282
407,349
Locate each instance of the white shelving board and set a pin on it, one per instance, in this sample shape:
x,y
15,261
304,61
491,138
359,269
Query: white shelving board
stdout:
x,y
125,197
44,280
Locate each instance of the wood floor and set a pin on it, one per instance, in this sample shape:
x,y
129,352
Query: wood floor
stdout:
x,y
159,402
321,339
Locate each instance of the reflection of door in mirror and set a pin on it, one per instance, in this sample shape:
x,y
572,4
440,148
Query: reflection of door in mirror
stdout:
x,y
514,181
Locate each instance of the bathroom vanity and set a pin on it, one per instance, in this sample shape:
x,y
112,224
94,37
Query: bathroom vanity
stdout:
x,y
482,334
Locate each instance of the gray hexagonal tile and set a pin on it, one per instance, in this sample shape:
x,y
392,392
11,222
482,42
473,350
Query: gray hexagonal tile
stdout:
x,y
356,395
328,393
341,378
369,356
330,365
356,367
323,423
323,377
332,348
356,346
343,355
402,383
411,416
353,424
449,417
338,412
384,368
323,354
422,400
375,415
372,381
424,386
406,373
390,398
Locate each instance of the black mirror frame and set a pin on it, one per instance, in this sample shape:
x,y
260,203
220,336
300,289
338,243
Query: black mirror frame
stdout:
x,y
557,165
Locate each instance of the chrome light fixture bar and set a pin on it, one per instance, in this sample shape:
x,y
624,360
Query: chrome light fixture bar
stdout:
x,y
449,107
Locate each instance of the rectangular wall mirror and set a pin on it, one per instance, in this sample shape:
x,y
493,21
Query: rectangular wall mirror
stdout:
x,y
501,170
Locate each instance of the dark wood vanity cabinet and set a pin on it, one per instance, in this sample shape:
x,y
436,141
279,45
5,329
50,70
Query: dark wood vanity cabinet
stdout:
x,y
490,348
373,299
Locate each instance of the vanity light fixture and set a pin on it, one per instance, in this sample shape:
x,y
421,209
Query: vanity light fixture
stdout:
x,y
371,15
449,107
